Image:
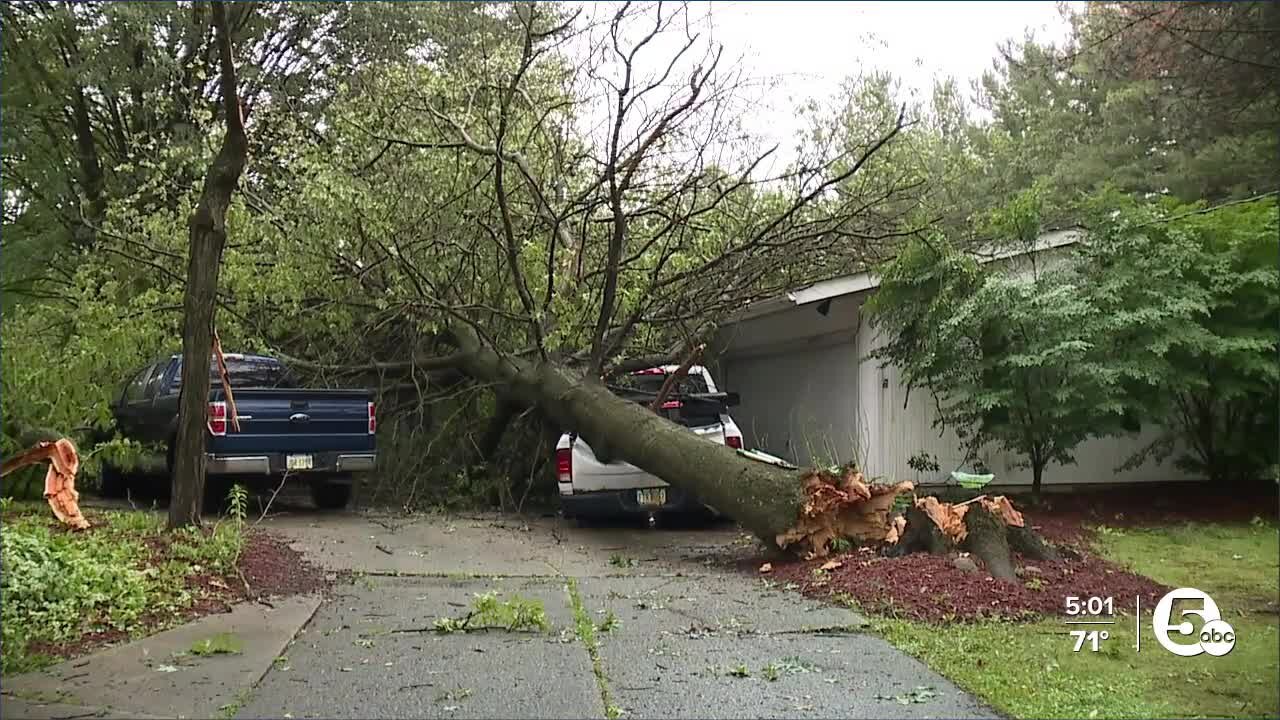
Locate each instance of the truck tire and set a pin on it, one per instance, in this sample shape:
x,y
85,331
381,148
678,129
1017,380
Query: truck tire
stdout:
x,y
330,495
112,483
216,489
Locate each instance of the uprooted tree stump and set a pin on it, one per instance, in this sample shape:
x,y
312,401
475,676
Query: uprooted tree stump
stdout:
x,y
987,528
1026,542
985,539
919,533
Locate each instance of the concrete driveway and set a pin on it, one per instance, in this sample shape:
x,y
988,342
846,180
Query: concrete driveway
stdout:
x,y
690,637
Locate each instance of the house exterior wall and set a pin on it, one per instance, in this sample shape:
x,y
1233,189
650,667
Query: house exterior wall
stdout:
x,y
797,372
810,395
905,428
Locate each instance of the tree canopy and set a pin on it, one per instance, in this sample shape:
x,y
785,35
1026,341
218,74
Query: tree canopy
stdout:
x,y
575,188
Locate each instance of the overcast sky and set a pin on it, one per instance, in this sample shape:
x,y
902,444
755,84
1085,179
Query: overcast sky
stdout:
x,y
812,46
793,52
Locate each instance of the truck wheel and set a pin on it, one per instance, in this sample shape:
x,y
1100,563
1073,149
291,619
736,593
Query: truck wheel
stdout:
x,y
111,482
330,495
216,489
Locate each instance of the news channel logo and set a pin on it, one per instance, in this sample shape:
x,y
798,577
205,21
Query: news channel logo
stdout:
x,y
1215,637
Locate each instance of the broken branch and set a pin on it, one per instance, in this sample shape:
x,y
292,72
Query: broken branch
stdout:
x,y
694,353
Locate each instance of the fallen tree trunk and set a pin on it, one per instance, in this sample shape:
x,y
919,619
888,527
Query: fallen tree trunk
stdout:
x,y
802,510
765,499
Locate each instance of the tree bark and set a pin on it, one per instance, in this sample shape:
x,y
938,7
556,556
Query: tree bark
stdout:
x,y
208,234
986,538
920,534
764,499
1030,545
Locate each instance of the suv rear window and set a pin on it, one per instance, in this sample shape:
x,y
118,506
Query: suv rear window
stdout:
x,y
652,383
646,385
246,373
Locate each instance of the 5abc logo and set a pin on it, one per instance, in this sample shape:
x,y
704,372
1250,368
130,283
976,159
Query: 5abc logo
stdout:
x,y
1216,637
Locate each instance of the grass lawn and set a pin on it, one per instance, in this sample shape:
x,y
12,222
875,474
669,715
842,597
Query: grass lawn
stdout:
x,y
64,590
1029,670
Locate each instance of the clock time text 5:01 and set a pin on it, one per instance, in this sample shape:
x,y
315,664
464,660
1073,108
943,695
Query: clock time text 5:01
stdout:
x,y
1090,605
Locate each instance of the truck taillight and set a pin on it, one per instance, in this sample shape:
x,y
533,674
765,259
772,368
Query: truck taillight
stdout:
x,y
733,441
217,418
373,419
564,465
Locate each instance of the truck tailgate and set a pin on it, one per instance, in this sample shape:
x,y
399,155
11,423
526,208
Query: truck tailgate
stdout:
x,y
297,420
591,475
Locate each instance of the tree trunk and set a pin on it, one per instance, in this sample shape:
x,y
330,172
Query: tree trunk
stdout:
x,y
484,451
1037,472
921,534
986,538
764,499
208,234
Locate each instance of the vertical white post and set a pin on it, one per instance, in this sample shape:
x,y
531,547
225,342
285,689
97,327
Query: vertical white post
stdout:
x,y
1137,623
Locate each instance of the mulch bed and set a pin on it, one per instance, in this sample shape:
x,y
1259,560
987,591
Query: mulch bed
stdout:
x,y
1067,518
938,589
932,588
268,568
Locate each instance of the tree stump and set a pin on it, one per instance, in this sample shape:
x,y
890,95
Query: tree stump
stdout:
x,y
986,539
921,534
1030,545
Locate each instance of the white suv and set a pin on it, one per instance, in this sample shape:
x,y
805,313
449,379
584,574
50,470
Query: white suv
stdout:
x,y
590,488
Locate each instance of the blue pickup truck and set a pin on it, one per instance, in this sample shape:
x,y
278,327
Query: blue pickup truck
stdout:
x,y
321,436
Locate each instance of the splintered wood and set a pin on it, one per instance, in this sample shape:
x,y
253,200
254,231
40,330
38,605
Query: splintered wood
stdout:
x,y
842,505
949,517
59,482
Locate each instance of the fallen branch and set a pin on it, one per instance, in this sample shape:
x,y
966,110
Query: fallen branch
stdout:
x,y
226,383
272,499
59,482
694,353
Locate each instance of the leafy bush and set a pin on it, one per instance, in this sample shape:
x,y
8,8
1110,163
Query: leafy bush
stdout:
x,y
57,584
1192,295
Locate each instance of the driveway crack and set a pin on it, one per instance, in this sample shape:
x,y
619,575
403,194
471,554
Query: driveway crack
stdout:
x,y
586,631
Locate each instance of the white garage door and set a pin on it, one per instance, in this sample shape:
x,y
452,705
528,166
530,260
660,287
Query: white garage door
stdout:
x,y
800,404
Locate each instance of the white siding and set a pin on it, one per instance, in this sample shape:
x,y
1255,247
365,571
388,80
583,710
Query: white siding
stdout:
x,y
810,394
906,431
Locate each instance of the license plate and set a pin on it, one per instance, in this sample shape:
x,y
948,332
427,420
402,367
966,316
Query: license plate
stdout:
x,y
652,497
297,462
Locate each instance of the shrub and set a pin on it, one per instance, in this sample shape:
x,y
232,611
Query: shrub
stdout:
x,y
57,584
